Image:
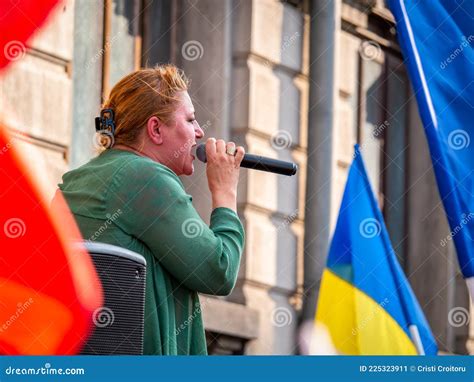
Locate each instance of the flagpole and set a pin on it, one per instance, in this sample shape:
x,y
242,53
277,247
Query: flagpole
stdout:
x,y
470,287
415,336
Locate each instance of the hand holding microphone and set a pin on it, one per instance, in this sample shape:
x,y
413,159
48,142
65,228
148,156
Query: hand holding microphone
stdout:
x,y
223,164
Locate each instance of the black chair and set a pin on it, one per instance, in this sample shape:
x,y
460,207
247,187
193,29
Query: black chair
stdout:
x,y
118,324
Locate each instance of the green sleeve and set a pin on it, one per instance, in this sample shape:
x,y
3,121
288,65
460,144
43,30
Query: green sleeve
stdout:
x,y
156,210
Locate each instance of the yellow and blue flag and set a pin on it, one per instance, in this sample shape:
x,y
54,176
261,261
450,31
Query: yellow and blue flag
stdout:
x,y
437,40
365,300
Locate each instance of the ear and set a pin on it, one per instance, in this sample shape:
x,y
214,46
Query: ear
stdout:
x,y
154,130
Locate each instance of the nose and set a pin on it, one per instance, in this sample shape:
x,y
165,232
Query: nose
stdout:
x,y
198,131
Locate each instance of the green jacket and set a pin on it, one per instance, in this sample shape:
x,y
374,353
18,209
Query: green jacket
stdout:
x,y
133,202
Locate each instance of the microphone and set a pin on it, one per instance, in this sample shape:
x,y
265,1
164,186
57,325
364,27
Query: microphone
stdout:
x,y
257,162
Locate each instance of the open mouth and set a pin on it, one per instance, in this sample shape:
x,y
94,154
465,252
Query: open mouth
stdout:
x,y
193,150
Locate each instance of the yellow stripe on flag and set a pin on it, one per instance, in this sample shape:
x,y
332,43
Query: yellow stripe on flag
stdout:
x,y
357,324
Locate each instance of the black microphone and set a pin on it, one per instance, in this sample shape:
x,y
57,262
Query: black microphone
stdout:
x,y
257,162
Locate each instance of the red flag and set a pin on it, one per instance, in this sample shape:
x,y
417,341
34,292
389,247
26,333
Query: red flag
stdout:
x,y
48,288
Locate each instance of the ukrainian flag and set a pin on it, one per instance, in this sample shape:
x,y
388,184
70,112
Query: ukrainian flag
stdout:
x,y
365,300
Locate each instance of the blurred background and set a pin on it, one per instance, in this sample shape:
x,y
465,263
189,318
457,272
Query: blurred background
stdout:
x,y
297,80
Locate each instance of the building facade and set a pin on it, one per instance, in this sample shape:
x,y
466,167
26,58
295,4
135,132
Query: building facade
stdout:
x,y
295,80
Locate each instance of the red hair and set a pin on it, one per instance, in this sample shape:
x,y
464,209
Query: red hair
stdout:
x,y
141,95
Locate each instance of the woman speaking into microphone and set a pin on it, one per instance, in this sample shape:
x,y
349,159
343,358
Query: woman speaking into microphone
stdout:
x,y
148,129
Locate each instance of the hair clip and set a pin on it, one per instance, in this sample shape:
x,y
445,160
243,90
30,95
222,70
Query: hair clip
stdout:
x,y
105,122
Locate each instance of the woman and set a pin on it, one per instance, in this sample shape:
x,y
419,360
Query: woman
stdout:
x,y
132,188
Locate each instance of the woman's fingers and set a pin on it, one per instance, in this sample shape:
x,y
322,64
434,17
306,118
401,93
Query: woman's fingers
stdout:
x,y
223,172
239,155
210,147
220,146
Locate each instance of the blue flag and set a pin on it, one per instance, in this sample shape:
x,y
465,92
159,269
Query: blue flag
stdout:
x,y
365,300
437,40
